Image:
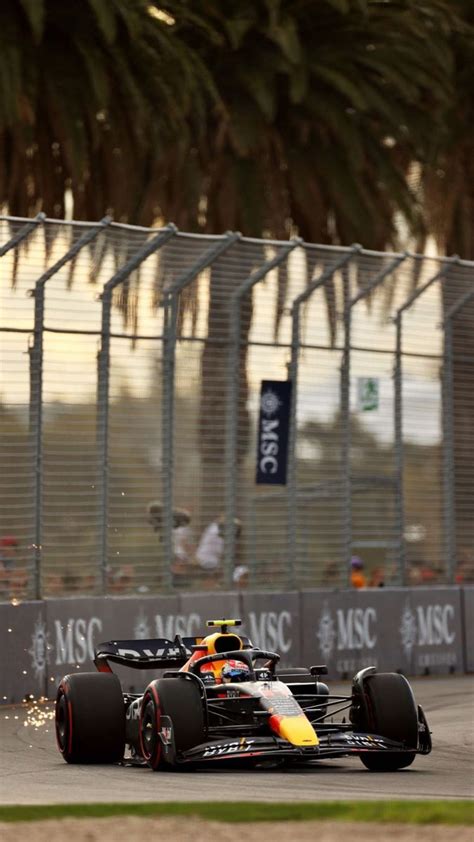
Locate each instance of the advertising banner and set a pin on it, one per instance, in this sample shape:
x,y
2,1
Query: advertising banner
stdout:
x,y
22,651
272,621
467,597
273,428
430,629
349,630
415,631
74,627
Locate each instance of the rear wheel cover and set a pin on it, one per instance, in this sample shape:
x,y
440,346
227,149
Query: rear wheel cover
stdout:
x,y
150,722
63,722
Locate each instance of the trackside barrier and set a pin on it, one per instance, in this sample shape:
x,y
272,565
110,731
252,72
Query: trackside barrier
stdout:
x,y
414,630
468,624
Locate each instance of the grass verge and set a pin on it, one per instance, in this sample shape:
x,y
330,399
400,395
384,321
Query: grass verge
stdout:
x,y
406,812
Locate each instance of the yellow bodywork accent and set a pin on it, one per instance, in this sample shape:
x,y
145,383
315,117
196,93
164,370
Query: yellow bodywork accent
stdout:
x,y
297,730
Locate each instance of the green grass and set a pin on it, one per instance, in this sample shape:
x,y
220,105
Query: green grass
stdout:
x,y
406,812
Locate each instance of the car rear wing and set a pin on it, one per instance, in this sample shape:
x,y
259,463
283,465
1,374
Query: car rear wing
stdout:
x,y
152,653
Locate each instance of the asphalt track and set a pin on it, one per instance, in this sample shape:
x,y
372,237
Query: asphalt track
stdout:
x,y
32,771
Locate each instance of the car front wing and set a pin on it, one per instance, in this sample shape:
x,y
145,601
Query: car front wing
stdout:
x,y
333,744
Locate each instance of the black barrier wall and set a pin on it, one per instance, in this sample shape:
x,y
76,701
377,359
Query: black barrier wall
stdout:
x,y
417,631
468,626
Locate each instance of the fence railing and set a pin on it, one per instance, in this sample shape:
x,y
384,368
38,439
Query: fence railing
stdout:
x,y
131,364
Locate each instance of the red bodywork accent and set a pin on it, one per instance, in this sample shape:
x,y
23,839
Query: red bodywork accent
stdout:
x,y
102,665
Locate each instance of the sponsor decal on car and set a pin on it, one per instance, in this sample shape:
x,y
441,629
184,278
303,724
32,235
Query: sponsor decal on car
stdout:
x,y
361,740
235,747
166,731
133,710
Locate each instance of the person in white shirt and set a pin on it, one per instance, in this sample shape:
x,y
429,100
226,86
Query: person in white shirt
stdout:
x,y
210,551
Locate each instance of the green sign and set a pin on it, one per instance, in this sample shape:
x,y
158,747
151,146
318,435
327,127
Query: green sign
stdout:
x,y
367,393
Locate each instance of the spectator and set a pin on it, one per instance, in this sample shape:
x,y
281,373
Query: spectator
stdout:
x,y
120,581
155,515
465,566
377,578
183,548
331,574
8,551
13,579
210,551
240,576
183,544
358,579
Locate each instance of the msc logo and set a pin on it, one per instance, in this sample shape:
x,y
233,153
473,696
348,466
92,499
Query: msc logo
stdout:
x,y
352,629
269,446
271,630
168,626
429,625
75,640
39,648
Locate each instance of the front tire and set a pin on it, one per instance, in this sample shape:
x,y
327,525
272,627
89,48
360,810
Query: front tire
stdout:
x,y
180,700
389,710
90,718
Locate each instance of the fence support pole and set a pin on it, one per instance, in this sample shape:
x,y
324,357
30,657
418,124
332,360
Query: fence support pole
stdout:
x,y
22,234
36,388
171,303
326,276
103,382
345,404
398,412
233,378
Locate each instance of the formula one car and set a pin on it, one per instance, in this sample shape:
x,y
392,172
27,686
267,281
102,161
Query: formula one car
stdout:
x,y
226,701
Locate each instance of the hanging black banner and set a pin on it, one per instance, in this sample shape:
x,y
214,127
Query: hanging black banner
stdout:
x,y
273,429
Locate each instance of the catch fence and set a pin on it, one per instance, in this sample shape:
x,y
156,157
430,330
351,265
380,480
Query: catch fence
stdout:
x,y
131,369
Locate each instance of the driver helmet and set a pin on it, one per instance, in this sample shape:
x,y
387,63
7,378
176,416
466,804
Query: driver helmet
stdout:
x,y
235,671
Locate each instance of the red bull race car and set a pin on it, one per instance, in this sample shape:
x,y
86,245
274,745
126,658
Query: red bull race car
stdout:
x,y
219,699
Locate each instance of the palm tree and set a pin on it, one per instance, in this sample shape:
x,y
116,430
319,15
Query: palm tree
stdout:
x,y
321,112
86,91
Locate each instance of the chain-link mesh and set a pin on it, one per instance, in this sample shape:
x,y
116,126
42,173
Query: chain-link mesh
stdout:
x,y
131,368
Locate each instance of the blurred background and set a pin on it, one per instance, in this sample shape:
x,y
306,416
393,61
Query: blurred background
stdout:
x,y
132,352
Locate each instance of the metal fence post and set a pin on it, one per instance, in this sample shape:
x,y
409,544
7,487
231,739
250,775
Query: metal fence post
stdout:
x,y
22,234
398,411
171,301
36,386
345,404
103,380
448,436
233,394
319,282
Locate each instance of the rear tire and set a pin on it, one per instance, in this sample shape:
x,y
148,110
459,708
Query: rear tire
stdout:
x,y
180,699
90,718
390,711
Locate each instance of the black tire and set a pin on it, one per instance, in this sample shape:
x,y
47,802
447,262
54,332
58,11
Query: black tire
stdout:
x,y
390,711
180,699
90,718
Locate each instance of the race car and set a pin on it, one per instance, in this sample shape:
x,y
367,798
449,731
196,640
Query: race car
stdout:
x,y
220,699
